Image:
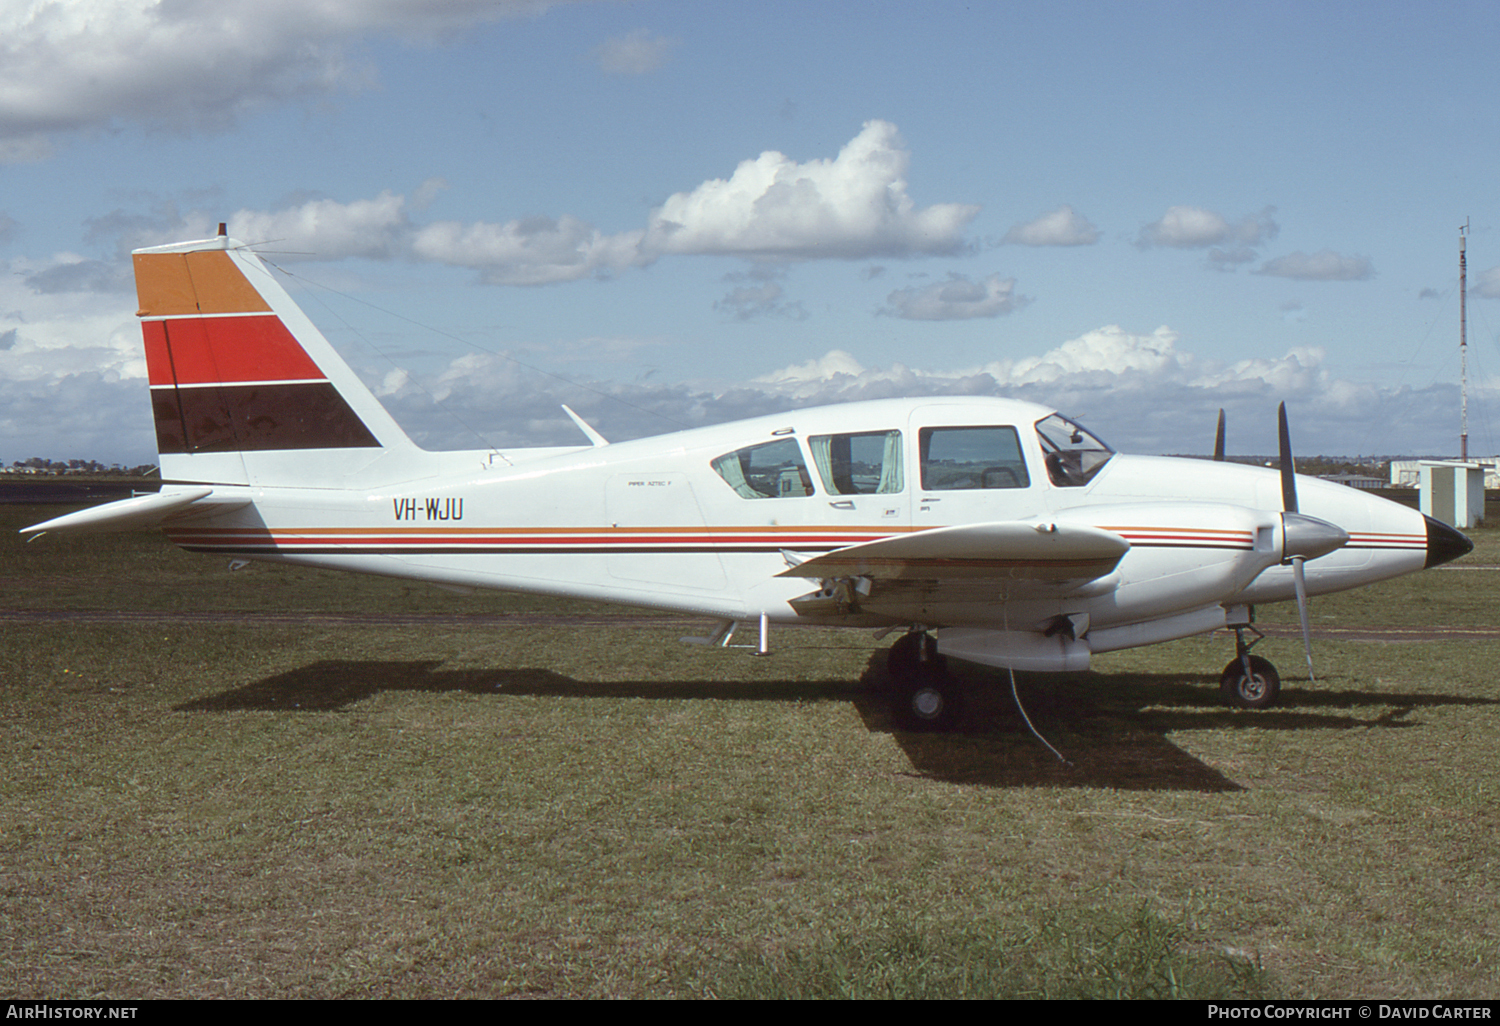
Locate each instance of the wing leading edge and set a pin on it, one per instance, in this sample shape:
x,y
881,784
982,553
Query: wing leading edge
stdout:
x,y
1009,550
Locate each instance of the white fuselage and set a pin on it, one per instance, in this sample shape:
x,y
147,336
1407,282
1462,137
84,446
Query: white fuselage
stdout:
x,y
653,523
1009,531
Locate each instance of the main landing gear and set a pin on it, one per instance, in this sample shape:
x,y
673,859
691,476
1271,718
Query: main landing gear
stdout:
x,y
923,695
1249,682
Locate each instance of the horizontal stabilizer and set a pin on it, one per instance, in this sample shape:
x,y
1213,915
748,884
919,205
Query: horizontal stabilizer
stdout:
x,y
1012,550
126,514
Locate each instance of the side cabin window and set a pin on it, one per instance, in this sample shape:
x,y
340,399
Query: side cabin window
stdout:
x,y
864,463
773,470
955,458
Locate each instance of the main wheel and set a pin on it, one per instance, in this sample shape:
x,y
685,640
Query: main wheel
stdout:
x,y
914,653
1259,690
927,703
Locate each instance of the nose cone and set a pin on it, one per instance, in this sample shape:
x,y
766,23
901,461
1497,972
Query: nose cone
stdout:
x,y
1444,543
1309,537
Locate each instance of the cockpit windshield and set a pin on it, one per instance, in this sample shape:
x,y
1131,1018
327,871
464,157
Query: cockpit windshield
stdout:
x,y
1073,455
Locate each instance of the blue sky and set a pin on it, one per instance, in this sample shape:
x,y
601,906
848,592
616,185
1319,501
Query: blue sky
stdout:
x,y
671,213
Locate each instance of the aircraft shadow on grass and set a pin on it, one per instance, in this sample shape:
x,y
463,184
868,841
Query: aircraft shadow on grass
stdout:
x,y
1114,728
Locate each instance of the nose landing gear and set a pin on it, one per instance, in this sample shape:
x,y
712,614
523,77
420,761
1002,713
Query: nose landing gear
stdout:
x,y
1249,682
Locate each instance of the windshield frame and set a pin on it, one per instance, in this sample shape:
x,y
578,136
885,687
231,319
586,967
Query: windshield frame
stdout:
x,y
1073,454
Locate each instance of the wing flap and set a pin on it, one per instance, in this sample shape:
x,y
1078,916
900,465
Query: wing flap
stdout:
x,y
1009,550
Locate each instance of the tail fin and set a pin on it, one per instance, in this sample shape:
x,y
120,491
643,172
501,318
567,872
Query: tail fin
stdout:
x,y
244,388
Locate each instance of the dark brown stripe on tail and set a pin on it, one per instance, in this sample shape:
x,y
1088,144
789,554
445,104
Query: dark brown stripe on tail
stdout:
x,y
256,418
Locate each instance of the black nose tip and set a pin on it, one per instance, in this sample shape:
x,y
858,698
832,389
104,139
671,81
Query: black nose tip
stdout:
x,y
1444,543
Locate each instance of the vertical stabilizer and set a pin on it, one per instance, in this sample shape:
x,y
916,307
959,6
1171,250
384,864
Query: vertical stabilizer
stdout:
x,y
244,388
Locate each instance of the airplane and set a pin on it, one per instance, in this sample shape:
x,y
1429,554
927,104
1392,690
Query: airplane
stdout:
x,y
989,530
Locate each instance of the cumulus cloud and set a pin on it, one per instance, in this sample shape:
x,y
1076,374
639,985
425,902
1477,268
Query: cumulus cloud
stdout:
x,y
64,320
751,302
958,298
1110,351
635,53
87,414
1229,259
328,230
79,275
78,65
855,206
834,365
1324,265
318,228
72,371
1186,227
1142,391
1061,227
529,251
852,207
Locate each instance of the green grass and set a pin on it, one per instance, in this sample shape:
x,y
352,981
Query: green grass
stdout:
x,y
455,810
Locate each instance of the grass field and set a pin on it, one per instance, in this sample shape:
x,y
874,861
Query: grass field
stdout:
x,y
198,807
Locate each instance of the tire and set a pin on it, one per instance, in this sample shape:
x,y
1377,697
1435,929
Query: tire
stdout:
x,y
1258,691
905,659
930,703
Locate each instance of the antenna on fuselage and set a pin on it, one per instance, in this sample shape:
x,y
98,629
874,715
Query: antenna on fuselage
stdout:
x,y
594,437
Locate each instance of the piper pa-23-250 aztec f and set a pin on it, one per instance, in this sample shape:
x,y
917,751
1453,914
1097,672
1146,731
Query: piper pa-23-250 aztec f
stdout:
x,y
981,529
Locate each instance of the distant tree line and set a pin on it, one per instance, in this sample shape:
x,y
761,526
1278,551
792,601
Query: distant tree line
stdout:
x,y
1368,466
37,465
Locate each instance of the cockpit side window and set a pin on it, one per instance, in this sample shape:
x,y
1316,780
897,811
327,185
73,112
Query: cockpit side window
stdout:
x,y
865,463
773,470
955,458
1073,455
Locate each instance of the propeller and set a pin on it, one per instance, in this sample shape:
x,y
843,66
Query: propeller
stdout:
x,y
1303,537
1219,438
1288,471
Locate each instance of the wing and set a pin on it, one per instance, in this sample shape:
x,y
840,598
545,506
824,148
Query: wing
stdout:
x,y
1012,550
954,575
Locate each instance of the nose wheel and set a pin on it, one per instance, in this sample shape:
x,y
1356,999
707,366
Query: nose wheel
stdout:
x,y
1256,688
1249,682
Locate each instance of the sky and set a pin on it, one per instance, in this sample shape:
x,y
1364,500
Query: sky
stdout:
x,y
669,213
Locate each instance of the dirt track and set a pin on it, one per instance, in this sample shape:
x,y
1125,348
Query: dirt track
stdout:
x,y
687,625
624,620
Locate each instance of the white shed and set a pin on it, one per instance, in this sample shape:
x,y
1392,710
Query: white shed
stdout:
x,y
1452,492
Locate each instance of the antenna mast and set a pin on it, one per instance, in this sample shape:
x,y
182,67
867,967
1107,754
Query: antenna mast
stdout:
x,y
1463,341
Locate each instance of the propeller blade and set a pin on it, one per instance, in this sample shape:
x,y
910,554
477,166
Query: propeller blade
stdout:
x,y
1219,438
1288,469
1304,536
1300,581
